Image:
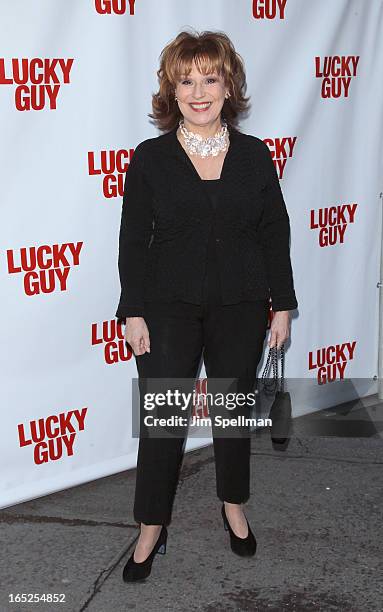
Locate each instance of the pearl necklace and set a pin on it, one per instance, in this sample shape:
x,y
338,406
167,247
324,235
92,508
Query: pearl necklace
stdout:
x,y
204,147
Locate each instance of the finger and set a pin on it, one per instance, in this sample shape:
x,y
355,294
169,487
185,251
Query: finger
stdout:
x,y
147,343
281,340
135,344
141,346
272,339
139,350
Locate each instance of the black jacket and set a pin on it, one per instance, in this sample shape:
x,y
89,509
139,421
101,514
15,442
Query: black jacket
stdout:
x,y
166,219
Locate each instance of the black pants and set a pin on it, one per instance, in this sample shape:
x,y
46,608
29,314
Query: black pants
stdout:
x,y
231,339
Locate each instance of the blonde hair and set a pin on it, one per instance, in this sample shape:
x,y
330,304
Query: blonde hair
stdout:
x,y
212,52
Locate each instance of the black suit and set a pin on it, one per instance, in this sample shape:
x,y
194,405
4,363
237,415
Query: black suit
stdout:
x,y
189,314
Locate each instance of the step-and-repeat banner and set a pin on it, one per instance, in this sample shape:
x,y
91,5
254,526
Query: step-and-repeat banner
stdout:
x,y
76,79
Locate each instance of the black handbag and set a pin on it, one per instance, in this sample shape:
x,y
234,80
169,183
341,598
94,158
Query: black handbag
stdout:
x,y
280,412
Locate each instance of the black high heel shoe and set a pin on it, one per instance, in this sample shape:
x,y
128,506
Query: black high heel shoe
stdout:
x,y
244,547
139,570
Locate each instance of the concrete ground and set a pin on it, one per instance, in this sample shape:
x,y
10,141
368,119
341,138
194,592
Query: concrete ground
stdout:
x,y
315,508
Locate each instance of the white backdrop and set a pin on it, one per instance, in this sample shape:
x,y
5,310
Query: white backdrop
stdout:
x,y
66,393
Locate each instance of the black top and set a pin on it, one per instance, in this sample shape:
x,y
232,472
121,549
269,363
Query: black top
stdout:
x,y
167,219
212,287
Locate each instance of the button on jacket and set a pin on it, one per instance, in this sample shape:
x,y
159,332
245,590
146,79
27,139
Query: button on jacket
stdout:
x,y
166,220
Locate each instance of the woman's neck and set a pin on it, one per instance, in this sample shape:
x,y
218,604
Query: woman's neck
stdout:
x,y
203,130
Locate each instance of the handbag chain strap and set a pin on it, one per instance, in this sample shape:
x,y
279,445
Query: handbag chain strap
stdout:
x,y
282,350
271,384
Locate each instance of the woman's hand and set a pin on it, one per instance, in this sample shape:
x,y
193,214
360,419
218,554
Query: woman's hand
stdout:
x,y
279,329
137,335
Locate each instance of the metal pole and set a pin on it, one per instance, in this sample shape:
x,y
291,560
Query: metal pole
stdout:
x,y
380,285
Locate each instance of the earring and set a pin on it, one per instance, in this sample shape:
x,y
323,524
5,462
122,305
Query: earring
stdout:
x,y
227,95
175,97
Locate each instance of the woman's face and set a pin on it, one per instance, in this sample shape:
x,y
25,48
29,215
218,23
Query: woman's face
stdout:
x,y
199,88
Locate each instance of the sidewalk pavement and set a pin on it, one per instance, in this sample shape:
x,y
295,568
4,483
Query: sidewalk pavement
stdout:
x,y
316,511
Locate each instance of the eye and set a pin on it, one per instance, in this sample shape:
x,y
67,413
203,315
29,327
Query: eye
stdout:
x,y
211,79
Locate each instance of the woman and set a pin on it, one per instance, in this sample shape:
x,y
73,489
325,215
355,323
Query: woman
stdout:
x,y
204,245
